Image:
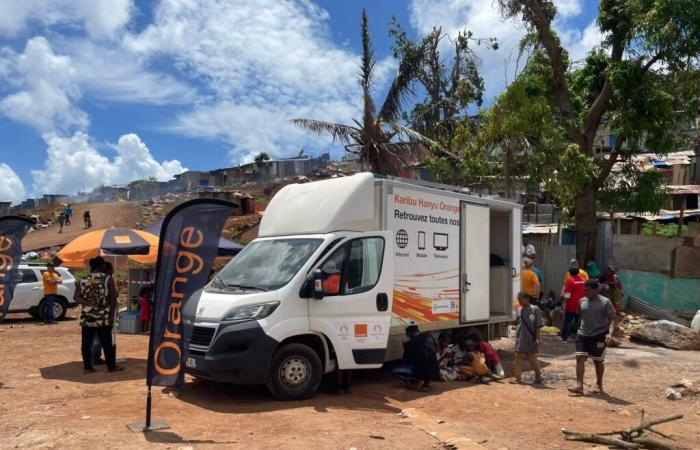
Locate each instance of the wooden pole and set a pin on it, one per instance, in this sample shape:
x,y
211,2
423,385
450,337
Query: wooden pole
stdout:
x,y
680,220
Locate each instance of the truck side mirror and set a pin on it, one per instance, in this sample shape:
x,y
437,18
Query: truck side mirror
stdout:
x,y
317,284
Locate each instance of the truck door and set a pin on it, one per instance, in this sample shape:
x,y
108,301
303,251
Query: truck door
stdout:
x,y
355,312
474,262
516,252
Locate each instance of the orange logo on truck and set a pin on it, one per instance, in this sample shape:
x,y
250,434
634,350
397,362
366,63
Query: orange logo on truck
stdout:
x,y
360,330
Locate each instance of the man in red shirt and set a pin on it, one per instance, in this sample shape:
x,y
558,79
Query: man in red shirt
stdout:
x,y
573,293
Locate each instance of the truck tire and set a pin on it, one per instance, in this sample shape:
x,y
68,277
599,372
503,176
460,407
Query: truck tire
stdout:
x,y
295,374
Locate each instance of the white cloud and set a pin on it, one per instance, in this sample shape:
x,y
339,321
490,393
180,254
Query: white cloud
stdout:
x,y
101,19
74,164
578,42
484,20
11,186
262,62
108,72
46,91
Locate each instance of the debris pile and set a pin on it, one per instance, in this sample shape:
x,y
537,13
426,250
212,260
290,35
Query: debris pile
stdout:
x,y
685,388
668,334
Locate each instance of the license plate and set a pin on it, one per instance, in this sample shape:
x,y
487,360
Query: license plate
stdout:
x,y
191,362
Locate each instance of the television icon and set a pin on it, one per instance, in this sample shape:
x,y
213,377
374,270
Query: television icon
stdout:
x,y
440,241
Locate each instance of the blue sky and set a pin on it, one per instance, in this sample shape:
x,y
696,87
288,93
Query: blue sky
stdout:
x,y
107,91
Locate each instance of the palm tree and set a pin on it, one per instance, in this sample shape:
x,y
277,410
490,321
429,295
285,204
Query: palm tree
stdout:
x,y
374,137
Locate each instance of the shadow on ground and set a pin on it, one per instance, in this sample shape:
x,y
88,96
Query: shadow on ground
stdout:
x,y
168,437
134,369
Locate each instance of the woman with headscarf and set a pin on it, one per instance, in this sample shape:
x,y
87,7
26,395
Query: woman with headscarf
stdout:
x,y
592,269
615,291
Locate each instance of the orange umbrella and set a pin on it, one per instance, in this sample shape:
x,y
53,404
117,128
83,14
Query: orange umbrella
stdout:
x,y
139,245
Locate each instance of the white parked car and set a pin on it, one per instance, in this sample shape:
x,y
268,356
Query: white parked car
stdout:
x,y
29,292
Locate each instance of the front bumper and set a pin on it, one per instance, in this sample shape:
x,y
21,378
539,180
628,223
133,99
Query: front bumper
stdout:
x,y
239,353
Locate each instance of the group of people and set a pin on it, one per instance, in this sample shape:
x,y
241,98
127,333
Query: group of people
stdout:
x,y
471,358
465,355
586,312
65,216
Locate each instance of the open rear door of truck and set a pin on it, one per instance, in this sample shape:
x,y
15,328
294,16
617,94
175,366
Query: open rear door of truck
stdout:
x,y
355,312
474,262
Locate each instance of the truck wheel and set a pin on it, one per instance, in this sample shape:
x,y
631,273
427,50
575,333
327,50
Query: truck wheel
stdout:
x,y
296,373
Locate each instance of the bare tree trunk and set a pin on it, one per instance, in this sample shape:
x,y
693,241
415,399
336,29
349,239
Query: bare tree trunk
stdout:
x,y
586,224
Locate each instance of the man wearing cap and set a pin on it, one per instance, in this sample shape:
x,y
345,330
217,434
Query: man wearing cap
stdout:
x,y
593,336
572,293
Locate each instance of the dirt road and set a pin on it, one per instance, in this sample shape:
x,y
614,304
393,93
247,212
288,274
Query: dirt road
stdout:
x,y
104,215
47,402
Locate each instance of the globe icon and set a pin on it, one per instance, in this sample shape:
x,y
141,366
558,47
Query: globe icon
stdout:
x,y
402,238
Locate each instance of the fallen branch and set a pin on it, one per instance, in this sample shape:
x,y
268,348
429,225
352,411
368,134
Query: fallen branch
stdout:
x,y
652,443
597,439
643,426
632,437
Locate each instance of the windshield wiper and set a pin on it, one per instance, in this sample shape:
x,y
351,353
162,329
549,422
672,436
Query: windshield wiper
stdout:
x,y
244,287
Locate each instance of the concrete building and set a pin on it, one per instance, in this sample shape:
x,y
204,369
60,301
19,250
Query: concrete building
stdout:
x,y
5,208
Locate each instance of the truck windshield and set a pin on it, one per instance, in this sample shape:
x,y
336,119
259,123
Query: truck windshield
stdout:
x,y
267,265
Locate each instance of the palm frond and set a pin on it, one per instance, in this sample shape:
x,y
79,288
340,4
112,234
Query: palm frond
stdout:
x,y
401,86
368,61
412,135
393,158
338,132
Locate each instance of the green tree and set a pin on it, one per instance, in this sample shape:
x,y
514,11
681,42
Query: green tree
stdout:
x,y
260,159
637,82
375,135
452,86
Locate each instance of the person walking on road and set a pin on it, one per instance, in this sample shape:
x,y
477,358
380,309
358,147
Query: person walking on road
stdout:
x,y
596,330
573,293
99,301
51,281
69,213
61,221
87,220
527,337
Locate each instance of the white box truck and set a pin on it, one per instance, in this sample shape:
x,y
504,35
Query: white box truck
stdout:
x,y
339,269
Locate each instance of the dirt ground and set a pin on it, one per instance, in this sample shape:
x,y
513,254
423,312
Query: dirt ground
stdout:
x,y
47,402
104,215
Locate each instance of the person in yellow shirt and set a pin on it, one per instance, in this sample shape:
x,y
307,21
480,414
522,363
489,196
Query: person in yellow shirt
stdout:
x,y
51,281
530,283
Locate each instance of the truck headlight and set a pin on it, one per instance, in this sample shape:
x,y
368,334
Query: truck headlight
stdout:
x,y
251,312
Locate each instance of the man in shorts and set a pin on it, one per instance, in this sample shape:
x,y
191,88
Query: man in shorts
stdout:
x,y
597,316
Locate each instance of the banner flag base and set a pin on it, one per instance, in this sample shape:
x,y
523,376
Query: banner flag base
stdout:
x,y
141,427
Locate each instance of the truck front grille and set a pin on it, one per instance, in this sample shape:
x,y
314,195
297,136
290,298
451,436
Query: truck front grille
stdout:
x,y
202,336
